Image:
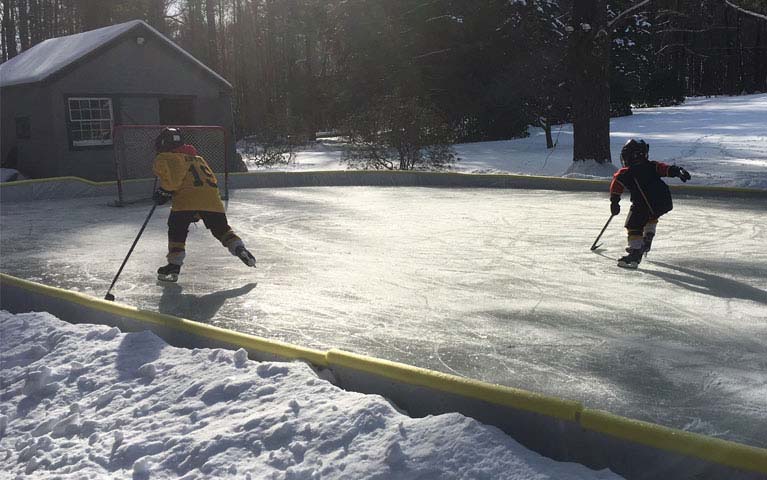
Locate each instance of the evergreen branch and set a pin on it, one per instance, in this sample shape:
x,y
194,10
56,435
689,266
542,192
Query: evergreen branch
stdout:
x,y
624,13
743,10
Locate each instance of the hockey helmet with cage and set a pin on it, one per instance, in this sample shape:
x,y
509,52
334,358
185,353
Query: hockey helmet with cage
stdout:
x,y
634,152
168,139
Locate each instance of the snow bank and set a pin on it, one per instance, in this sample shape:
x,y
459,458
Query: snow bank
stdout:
x,y
94,402
10,175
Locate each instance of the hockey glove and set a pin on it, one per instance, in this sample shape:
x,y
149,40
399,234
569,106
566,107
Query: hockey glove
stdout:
x,y
615,207
680,172
161,196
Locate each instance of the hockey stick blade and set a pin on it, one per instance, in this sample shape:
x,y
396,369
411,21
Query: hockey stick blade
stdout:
x,y
109,297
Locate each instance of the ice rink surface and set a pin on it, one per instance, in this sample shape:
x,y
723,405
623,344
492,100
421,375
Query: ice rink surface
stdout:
x,y
496,285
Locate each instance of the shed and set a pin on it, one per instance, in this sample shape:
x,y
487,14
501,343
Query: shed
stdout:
x,y
61,99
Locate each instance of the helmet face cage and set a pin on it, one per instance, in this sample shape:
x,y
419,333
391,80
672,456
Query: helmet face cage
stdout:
x,y
634,152
168,139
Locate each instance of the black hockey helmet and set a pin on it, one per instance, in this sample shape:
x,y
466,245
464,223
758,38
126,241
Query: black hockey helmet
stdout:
x,y
634,152
168,139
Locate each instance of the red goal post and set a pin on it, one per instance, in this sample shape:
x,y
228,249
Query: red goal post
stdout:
x,y
134,154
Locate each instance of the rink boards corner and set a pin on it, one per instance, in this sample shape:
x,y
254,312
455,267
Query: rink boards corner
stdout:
x,y
560,429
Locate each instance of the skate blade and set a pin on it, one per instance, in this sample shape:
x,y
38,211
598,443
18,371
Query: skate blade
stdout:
x,y
249,261
171,277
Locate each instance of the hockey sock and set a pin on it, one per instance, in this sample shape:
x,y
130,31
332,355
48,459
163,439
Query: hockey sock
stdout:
x,y
649,229
176,253
231,242
635,241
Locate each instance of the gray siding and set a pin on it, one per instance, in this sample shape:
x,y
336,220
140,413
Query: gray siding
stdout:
x,y
135,77
36,156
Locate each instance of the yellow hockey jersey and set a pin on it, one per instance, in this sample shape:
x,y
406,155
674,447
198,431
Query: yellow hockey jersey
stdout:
x,y
190,179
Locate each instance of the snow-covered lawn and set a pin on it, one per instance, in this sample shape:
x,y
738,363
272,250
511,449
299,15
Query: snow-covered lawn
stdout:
x,y
89,402
722,141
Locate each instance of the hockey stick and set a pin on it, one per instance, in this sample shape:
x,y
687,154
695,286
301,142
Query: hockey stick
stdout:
x,y
109,295
594,246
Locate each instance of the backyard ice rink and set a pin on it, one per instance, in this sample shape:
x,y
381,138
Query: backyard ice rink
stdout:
x,y
496,285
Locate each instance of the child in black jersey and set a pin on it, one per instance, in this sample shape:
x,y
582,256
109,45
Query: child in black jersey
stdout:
x,y
650,197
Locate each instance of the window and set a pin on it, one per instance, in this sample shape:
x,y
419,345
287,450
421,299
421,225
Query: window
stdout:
x,y
23,128
90,121
177,111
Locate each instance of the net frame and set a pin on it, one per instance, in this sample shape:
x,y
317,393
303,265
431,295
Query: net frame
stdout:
x,y
134,152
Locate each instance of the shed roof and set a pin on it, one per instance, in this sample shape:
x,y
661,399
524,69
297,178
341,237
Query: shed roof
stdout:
x,y
55,54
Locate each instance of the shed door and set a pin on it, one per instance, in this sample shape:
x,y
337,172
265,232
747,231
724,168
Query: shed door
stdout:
x,y
177,111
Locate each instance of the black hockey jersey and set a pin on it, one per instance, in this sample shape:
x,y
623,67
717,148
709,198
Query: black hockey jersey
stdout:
x,y
647,189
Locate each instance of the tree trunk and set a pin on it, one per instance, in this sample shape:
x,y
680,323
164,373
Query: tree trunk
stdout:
x,y
760,77
590,56
23,25
549,139
9,31
156,15
210,17
93,14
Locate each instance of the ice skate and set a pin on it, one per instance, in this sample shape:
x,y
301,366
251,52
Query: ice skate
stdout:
x,y
243,254
168,273
631,260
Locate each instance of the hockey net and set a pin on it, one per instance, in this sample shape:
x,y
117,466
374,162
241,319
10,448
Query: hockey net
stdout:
x,y
134,156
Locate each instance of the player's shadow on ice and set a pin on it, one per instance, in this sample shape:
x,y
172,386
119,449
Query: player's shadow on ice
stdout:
x,y
707,283
197,307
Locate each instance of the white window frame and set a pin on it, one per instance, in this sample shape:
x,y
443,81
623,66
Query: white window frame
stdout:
x,y
86,124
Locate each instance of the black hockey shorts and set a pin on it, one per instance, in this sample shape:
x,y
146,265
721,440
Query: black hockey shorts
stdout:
x,y
637,218
179,221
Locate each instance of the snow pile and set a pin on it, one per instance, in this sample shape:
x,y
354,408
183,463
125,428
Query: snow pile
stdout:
x,y
10,175
589,169
92,402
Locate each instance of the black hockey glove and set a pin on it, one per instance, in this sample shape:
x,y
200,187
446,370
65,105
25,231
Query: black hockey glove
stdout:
x,y
161,196
680,172
615,207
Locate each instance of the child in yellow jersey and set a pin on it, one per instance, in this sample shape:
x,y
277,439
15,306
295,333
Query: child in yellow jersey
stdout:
x,y
187,179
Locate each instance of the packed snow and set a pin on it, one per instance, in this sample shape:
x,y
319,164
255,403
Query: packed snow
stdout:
x,y
89,402
722,141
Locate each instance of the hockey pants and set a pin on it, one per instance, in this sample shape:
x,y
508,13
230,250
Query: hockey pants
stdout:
x,y
178,229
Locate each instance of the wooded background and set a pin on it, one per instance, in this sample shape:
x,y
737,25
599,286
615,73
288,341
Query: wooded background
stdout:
x,y
484,69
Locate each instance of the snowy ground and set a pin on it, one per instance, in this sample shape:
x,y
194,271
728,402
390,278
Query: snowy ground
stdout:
x,y
87,402
502,280
721,140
